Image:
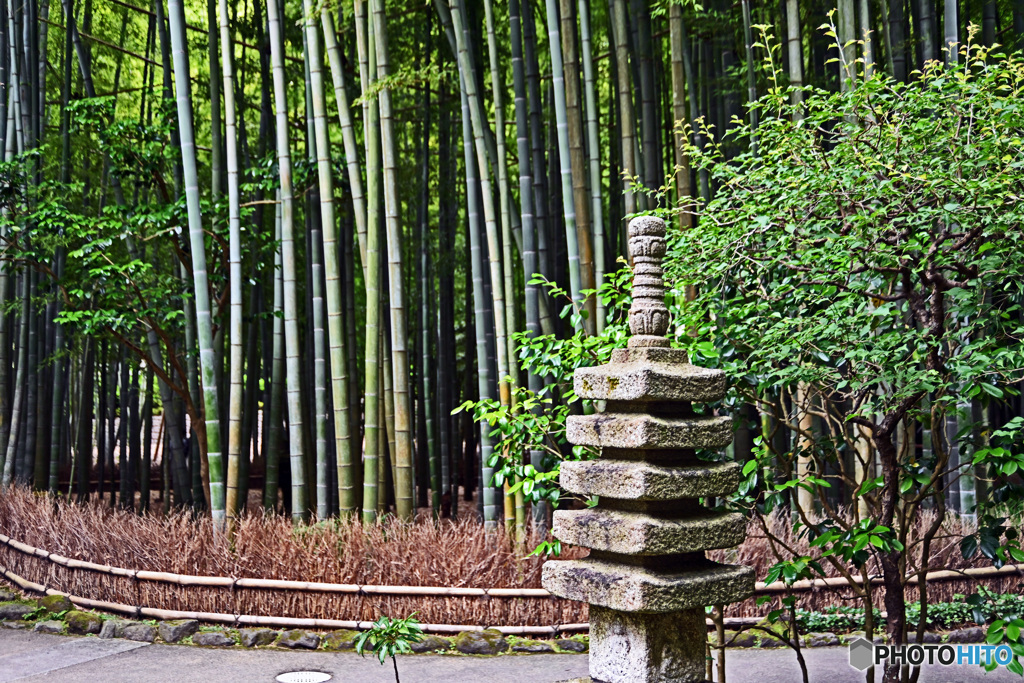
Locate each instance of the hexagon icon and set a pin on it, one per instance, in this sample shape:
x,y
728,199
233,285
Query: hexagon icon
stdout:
x,y
862,654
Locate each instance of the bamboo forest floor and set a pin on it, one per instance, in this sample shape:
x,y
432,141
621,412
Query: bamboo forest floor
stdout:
x,y
36,657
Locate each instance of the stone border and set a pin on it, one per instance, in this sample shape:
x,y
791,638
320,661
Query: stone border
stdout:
x,y
248,620
56,614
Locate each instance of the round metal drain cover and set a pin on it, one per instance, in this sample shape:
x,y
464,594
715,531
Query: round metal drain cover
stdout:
x,y
304,677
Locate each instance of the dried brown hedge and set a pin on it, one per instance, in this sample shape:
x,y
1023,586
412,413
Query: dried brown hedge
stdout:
x,y
451,554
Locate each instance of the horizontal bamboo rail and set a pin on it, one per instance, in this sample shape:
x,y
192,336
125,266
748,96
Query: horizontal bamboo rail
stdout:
x,y
249,620
760,588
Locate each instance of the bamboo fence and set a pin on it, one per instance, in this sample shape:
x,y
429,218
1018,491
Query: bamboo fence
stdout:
x,y
234,585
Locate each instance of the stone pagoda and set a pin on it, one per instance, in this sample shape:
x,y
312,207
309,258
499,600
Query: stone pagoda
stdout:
x,y
647,579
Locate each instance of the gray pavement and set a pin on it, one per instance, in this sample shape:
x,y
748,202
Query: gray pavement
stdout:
x,y
32,657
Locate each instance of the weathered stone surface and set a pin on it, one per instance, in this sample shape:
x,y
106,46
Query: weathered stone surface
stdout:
x,y
340,640
55,604
257,637
7,596
51,626
638,589
636,533
647,581
974,634
927,637
82,623
175,631
113,628
649,374
431,644
645,647
213,639
142,633
822,640
299,640
744,639
13,611
637,430
630,480
648,316
567,645
486,642
17,625
532,646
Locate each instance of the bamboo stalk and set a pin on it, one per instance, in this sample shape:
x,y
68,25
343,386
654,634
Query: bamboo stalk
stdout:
x,y
208,430
403,470
288,259
235,259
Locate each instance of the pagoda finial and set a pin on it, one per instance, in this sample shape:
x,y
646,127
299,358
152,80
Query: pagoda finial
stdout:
x,y
648,316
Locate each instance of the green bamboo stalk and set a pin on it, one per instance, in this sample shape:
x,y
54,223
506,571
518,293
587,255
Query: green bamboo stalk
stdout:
x,y
577,154
594,149
504,196
5,95
27,453
57,406
204,323
216,143
315,300
124,492
564,152
83,425
490,215
19,388
627,126
426,422
404,483
445,315
234,261
147,450
277,381
748,46
348,135
300,496
526,204
490,504
652,169
332,269
371,432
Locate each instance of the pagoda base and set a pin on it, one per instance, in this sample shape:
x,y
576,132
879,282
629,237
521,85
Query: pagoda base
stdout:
x,y
627,647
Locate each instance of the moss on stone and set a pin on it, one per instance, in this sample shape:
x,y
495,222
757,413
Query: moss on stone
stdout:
x,y
82,623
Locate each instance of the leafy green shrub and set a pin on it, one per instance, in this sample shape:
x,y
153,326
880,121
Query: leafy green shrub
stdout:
x,y
838,619
861,264
389,637
983,607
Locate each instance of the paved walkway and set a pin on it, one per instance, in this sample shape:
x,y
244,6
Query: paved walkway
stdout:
x,y
33,657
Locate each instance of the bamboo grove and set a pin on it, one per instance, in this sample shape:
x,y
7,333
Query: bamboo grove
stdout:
x,y
300,234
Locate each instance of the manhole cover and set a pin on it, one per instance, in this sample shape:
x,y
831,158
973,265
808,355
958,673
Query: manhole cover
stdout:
x,y
304,677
